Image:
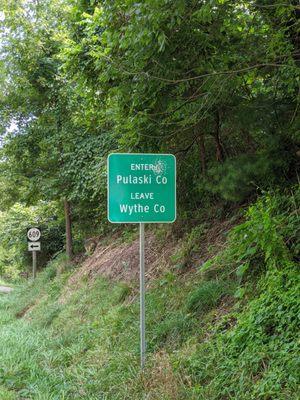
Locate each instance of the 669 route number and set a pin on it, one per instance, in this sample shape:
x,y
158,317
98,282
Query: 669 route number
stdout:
x,y
33,234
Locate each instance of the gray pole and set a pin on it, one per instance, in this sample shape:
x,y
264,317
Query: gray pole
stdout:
x,y
33,264
142,295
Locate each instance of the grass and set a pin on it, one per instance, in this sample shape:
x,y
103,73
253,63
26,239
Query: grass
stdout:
x,y
208,296
212,335
88,348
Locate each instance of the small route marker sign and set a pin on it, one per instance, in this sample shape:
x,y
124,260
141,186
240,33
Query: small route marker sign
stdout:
x,y
141,188
34,246
33,234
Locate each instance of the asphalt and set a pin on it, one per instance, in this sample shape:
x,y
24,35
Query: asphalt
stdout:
x,y
5,289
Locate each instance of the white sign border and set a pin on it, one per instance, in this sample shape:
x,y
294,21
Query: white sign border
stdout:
x,y
175,192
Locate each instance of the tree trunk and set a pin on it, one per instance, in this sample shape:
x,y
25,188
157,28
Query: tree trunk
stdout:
x,y
69,242
201,145
219,149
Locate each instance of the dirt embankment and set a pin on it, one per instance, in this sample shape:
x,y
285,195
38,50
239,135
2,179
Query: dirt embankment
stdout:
x,y
120,261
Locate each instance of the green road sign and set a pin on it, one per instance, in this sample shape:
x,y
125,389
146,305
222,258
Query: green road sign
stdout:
x,y
141,187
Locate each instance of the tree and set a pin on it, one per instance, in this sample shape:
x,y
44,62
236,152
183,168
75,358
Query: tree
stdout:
x,y
216,83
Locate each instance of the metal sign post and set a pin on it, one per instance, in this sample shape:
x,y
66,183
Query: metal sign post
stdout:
x,y
34,264
33,235
142,296
141,189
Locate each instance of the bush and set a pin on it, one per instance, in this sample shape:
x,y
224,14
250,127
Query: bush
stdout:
x,y
207,296
256,357
173,330
237,178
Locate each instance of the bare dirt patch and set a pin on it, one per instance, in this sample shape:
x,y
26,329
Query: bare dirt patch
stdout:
x,y
24,311
120,261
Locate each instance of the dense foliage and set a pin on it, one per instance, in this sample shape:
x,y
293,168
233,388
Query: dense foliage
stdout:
x,y
214,82
260,350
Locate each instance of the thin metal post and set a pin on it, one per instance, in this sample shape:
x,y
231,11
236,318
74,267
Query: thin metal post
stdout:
x,y
33,264
142,295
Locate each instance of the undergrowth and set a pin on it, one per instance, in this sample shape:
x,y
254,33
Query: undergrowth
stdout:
x,y
228,331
